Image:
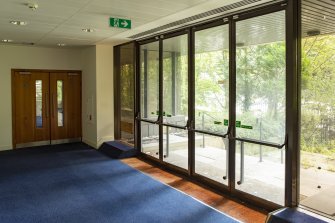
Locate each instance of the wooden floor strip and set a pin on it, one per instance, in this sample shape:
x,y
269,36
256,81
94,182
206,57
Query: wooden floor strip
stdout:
x,y
220,202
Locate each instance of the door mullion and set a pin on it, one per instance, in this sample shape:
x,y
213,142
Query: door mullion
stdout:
x,y
232,103
191,102
160,99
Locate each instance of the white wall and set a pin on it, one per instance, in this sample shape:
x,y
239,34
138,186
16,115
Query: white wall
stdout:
x,y
89,96
105,108
27,57
96,63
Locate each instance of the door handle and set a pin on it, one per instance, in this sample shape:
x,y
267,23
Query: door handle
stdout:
x,y
241,165
46,106
52,106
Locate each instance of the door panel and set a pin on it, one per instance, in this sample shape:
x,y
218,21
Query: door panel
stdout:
x,y
149,77
41,101
65,105
175,100
24,109
74,105
32,122
212,103
58,104
261,106
175,80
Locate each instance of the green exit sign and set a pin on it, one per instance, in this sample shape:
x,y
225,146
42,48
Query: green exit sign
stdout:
x,y
120,23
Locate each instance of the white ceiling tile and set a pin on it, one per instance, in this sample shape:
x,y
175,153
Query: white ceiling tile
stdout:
x,y
63,20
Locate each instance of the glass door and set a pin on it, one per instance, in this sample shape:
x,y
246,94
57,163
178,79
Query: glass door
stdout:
x,y
175,100
164,99
125,82
220,114
261,106
149,109
212,103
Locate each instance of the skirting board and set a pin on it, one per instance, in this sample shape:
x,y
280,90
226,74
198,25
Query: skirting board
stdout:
x,y
90,143
104,139
3,148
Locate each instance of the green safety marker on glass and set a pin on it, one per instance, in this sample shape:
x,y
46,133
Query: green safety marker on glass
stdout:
x,y
246,127
225,122
217,122
238,124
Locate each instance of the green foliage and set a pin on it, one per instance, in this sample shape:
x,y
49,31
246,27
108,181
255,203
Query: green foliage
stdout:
x,y
260,90
318,95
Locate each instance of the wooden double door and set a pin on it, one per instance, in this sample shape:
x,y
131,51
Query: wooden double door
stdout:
x,y
46,107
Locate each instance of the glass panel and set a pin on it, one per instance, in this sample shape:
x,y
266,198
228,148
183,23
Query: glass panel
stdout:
x,y
150,139
60,110
260,103
212,79
263,171
39,104
175,80
260,78
149,61
175,146
317,155
127,92
211,155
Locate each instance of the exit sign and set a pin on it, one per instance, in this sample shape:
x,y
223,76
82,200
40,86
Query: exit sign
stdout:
x,y
120,23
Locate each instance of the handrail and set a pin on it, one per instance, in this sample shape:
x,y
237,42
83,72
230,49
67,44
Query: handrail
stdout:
x,y
263,143
174,126
146,120
259,142
212,133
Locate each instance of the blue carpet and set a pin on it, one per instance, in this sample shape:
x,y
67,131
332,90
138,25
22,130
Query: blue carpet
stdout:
x,y
74,183
290,215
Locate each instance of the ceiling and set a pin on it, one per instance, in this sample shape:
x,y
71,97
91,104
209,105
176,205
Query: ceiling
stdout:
x,y
62,21
317,16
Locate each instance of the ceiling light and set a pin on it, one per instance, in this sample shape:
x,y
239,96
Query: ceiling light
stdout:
x,y
61,44
18,23
88,30
6,40
32,6
313,32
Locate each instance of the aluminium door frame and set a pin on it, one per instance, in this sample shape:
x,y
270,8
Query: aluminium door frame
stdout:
x,y
293,56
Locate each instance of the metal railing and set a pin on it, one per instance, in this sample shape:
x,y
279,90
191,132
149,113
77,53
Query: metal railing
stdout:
x,y
258,142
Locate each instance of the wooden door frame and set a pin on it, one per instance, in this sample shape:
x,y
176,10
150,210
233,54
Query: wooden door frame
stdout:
x,y
13,71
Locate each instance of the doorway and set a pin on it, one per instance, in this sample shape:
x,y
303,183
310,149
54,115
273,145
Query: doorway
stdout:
x,y
46,107
212,103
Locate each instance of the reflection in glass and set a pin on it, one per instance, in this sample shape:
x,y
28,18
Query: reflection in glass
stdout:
x,y
211,157
150,139
261,105
175,80
264,179
261,78
212,79
149,62
60,108
39,104
175,146
127,92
